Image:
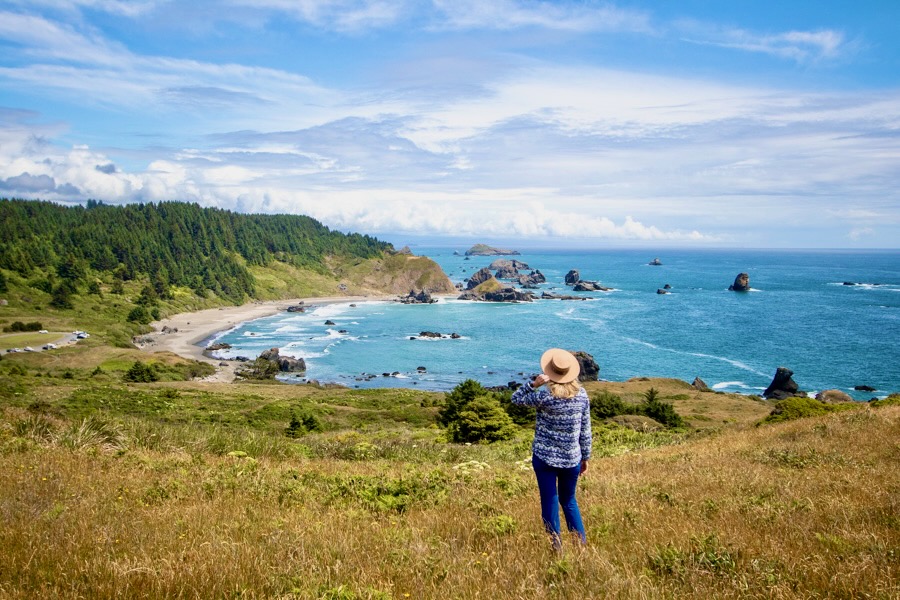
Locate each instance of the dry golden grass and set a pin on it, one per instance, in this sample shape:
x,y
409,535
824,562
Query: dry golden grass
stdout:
x,y
806,509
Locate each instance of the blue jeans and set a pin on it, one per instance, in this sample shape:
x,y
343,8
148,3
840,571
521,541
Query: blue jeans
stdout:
x,y
557,487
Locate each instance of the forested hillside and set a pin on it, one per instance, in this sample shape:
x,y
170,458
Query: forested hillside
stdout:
x,y
170,243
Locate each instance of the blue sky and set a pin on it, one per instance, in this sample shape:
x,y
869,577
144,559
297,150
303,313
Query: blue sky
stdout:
x,y
698,123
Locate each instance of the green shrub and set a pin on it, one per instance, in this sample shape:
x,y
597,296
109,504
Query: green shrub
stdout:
x,y
302,423
892,400
140,373
20,326
483,419
798,408
139,314
660,411
606,404
457,399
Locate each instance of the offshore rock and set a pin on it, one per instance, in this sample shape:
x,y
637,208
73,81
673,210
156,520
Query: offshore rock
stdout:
x,y
552,296
741,283
507,272
485,250
589,286
502,263
590,370
507,295
532,280
655,262
478,278
414,297
286,364
783,386
572,277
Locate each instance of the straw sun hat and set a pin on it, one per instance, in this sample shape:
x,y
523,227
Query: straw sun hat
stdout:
x,y
560,365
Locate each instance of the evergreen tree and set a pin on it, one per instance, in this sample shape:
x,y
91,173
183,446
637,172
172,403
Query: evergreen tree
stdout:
x,y
482,420
61,296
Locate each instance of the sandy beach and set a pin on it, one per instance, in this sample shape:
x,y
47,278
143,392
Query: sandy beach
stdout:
x,y
181,333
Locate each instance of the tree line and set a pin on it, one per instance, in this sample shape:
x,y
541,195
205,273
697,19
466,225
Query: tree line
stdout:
x,y
170,243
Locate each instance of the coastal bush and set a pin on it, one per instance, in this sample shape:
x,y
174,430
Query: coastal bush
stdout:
x,y
301,424
482,420
139,314
140,373
892,400
660,411
17,326
800,408
472,413
606,404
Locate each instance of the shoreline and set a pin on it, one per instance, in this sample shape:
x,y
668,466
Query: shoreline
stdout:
x,y
182,333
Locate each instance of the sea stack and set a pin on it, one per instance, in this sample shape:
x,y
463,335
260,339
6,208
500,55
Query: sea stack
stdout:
x,y
783,386
741,283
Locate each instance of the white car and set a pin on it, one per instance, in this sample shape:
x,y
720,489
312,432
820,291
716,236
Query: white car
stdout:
x,y
49,346
29,349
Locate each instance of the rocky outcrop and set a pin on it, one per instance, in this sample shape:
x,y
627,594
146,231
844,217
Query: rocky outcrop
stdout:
x,y
590,370
485,250
507,295
533,279
700,385
783,386
414,297
507,272
478,278
502,263
503,294
833,397
552,296
864,388
572,277
741,283
286,364
589,286
298,308
655,262
437,335
661,291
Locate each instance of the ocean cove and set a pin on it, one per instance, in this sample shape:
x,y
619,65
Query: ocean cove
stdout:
x,y
801,313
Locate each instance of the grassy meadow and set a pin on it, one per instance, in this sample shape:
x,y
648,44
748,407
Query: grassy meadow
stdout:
x,y
188,489
184,489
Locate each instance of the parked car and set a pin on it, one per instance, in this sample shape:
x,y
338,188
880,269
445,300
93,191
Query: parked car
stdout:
x,y
29,349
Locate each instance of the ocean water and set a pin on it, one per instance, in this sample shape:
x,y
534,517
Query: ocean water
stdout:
x,y
800,315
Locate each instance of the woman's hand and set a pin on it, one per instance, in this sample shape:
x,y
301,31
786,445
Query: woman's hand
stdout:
x,y
583,467
539,381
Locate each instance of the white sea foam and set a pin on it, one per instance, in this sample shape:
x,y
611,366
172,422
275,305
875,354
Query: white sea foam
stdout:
x,y
727,384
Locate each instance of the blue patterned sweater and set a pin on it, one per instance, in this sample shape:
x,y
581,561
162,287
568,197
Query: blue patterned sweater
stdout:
x,y
562,434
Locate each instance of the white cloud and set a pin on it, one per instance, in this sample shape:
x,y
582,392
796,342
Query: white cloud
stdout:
x,y
798,46
565,16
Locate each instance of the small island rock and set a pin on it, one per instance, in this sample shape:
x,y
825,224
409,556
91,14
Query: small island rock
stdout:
x,y
741,283
783,386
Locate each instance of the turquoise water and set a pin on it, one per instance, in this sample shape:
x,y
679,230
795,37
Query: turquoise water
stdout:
x,y
799,315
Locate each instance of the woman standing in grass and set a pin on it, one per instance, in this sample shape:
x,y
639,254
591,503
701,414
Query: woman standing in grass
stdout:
x,y
562,438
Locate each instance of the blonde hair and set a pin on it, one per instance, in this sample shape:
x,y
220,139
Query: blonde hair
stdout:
x,y
564,390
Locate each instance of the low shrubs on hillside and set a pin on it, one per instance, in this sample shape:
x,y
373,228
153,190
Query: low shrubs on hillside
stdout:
x,y
799,408
606,405
892,400
17,326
